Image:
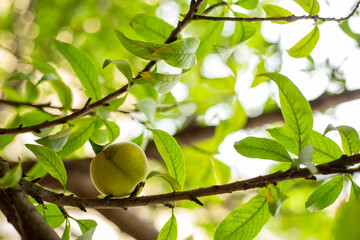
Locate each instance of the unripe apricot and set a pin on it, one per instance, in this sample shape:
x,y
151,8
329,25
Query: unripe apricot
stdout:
x,y
117,170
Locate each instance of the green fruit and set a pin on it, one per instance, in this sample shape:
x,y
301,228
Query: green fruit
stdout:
x,y
117,170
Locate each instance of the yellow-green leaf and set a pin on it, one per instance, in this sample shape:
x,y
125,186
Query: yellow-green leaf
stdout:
x,y
247,4
171,152
12,177
312,7
273,11
163,83
245,222
84,68
51,161
304,47
169,230
151,28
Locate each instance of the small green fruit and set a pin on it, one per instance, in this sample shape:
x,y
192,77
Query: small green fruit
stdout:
x,y
117,170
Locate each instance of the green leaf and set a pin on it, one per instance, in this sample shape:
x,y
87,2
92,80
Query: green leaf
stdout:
x,y
52,214
263,148
35,117
151,28
222,171
325,195
51,75
343,227
270,105
63,93
180,53
12,123
200,166
66,233
260,68
99,135
105,131
295,109
305,158
171,152
169,230
139,48
123,66
87,235
247,4
346,29
243,30
20,76
175,185
349,138
275,198
97,148
31,92
139,140
325,149
286,138
45,68
310,6
115,103
12,177
56,141
112,130
203,7
11,94
50,161
36,171
86,224
148,107
245,222
210,38
81,132
304,47
84,68
163,83
6,140
355,192
273,11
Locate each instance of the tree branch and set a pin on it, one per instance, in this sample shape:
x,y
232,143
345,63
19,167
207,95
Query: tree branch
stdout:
x,y
334,167
20,212
102,102
212,7
286,19
78,114
79,183
19,104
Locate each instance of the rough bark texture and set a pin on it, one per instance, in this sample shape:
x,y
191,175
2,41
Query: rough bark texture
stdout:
x,y
21,213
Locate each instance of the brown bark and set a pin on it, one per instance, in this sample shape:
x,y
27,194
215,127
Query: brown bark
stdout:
x,y
21,213
80,184
338,166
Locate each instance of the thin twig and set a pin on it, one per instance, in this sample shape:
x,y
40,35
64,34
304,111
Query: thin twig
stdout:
x,y
291,18
78,114
19,104
75,115
212,7
42,107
